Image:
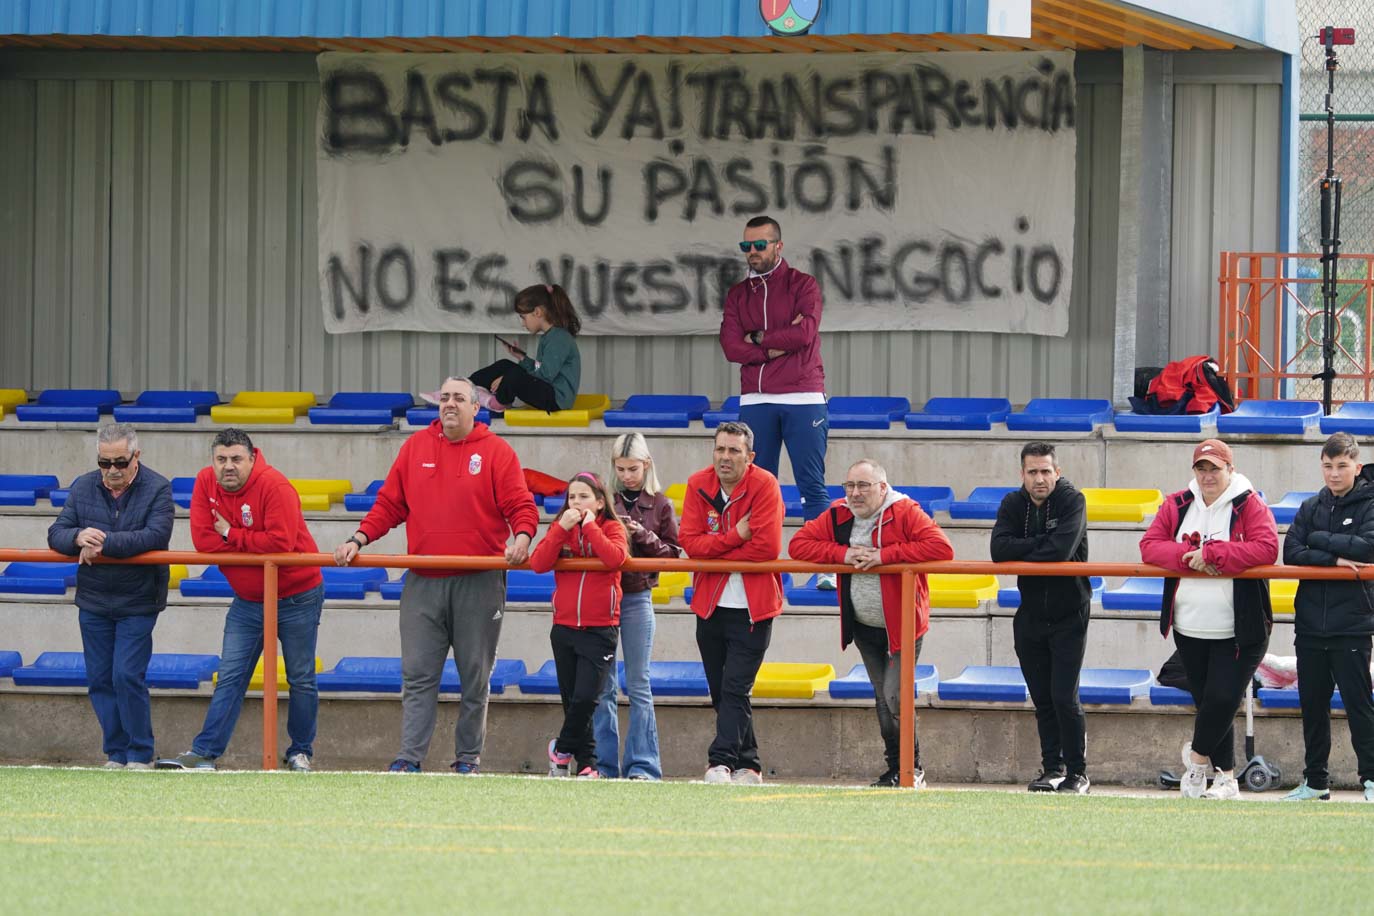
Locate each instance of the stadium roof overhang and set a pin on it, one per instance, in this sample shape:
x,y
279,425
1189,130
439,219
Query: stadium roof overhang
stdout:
x,y
642,26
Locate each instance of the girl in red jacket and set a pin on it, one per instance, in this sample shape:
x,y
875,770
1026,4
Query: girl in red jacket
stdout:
x,y
586,615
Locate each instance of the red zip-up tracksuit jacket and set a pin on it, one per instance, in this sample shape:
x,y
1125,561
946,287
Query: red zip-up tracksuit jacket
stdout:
x,y
463,498
708,533
584,599
264,516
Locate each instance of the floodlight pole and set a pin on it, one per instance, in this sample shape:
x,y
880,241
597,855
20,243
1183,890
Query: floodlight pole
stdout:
x,y
1330,221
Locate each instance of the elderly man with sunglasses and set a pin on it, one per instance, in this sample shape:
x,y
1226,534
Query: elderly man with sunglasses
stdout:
x,y
120,510
771,327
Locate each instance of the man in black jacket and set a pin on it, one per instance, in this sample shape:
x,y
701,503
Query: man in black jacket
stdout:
x,y
1046,521
1334,620
121,510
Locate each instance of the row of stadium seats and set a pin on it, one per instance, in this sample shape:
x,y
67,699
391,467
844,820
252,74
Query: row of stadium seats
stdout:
x,y
776,680
643,411
524,586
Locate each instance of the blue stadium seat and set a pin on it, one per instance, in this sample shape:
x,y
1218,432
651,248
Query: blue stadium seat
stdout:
x,y
363,408
1274,417
351,582
69,405
38,578
545,680
659,411
209,584
178,671
987,684
8,662
363,502
1129,422
932,499
507,672
1011,597
1287,698
58,495
182,488
807,595
959,414
1138,593
983,502
866,413
1061,415
423,416
792,499
1285,509
677,679
383,675
1113,685
728,412
553,505
53,669
1354,417
1169,696
525,585
855,685
25,489
165,406
391,591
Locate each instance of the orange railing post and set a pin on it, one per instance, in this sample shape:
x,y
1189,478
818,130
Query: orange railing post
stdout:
x,y
269,665
907,731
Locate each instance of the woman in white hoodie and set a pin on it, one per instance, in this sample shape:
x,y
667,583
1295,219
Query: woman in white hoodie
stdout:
x,y
1217,527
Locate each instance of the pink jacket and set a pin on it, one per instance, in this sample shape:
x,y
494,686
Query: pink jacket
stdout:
x,y
772,304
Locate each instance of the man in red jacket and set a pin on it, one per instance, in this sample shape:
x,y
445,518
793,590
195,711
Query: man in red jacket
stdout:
x,y
733,511
875,525
771,326
459,490
241,504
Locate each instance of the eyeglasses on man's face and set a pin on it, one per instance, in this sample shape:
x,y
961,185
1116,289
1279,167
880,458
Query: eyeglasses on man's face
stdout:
x,y
118,463
756,245
858,486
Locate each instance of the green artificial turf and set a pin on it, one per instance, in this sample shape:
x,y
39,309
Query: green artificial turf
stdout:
x,y
76,841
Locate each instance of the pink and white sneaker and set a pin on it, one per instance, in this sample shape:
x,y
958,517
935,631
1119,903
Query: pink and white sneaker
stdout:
x,y
558,763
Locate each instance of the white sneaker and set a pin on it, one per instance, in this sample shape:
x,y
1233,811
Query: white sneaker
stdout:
x,y
1224,785
1194,781
825,582
112,765
746,777
138,765
298,763
717,775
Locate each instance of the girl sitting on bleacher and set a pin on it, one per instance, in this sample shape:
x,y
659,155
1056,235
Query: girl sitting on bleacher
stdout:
x,y
550,380
586,615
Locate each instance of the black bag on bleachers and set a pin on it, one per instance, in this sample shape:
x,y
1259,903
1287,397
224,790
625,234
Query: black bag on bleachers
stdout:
x,y
1171,673
1144,375
1192,385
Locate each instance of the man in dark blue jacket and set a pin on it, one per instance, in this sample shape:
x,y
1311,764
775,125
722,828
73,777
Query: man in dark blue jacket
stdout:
x,y
121,510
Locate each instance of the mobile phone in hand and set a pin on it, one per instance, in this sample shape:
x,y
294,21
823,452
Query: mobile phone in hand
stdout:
x,y
509,344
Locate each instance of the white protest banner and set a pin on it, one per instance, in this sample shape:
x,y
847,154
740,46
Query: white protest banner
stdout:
x,y
924,191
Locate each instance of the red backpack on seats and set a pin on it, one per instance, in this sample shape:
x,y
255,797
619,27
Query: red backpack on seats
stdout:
x,y
1191,385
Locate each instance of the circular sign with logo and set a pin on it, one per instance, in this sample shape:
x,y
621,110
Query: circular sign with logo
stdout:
x,y
790,17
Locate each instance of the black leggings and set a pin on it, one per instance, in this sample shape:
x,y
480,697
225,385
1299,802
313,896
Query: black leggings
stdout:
x,y
583,660
516,382
1218,672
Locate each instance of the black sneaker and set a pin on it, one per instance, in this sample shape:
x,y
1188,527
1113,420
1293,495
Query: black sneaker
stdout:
x,y
888,780
1047,781
1075,784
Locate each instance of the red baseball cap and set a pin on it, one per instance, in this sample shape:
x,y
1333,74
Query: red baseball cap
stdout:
x,y
1215,451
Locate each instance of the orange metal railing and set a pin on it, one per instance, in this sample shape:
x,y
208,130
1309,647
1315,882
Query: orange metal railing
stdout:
x,y
270,563
1270,343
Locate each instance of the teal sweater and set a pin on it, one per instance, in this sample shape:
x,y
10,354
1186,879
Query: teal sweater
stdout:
x,y
559,364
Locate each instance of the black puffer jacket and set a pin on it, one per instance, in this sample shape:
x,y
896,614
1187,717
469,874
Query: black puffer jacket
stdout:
x,y
139,521
1052,533
1328,528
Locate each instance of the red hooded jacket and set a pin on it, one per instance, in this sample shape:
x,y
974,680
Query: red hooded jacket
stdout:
x,y
264,516
903,534
584,599
771,304
463,498
708,532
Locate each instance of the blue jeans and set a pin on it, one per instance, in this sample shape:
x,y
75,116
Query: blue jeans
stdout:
x,y
298,625
804,429
117,653
641,744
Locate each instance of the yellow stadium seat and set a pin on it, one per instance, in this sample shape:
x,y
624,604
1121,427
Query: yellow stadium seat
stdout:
x,y
792,680
676,494
670,585
264,407
585,409
960,590
317,495
1281,595
11,398
255,682
176,572
1109,504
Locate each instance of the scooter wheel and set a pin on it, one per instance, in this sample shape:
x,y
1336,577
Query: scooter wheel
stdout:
x,y
1258,779
1167,780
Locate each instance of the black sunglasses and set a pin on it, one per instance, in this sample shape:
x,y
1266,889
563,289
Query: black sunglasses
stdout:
x,y
106,463
756,244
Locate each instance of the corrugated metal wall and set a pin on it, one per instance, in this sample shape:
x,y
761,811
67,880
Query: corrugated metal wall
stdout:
x,y
157,229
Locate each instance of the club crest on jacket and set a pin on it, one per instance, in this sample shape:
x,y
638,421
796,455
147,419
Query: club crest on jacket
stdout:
x,y
475,464
246,515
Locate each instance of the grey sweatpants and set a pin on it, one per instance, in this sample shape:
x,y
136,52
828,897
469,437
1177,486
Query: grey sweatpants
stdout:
x,y
459,611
